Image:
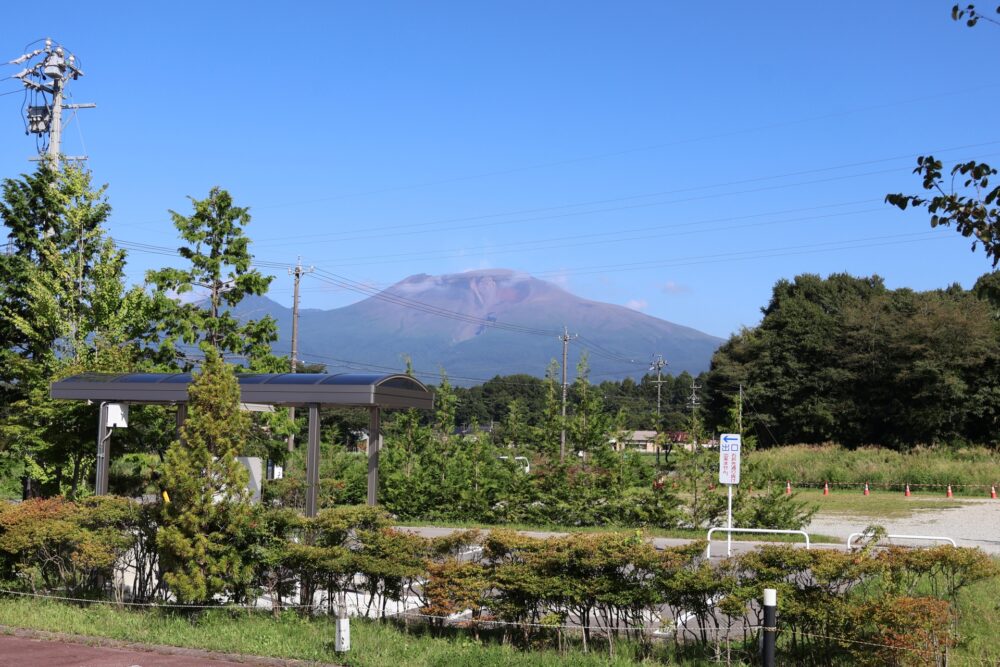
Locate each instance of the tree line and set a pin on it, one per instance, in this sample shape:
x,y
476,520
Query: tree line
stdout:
x,y
845,359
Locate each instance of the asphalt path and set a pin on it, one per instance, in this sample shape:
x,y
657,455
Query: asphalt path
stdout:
x,y
973,523
718,541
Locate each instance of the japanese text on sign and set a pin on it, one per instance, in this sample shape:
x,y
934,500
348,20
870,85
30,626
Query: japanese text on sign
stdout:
x,y
729,458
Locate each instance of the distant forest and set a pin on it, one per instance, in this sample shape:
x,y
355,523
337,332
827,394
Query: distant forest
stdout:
x,y
840,359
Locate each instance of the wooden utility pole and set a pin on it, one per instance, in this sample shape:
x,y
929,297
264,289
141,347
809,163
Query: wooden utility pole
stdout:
x,y
297,272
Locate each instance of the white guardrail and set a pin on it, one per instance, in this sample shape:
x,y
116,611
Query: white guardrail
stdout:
x,y
929,538
770,531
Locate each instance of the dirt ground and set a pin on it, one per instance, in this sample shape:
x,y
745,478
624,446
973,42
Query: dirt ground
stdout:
x,y
37,648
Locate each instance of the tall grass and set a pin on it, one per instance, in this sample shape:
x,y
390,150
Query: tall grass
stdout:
x,y
975,467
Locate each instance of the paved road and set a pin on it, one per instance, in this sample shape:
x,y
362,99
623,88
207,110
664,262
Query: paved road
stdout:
x,y
718,539
972,524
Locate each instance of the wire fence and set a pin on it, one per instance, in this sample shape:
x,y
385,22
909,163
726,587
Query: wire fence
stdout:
x,y
725,636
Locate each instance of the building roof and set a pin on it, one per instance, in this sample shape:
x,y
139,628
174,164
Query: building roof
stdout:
x,y
286,389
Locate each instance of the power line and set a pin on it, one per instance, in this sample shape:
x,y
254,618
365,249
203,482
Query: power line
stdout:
x,y
383,295
330,278
627,151
345,235
826,246
612,209
378,232
618,236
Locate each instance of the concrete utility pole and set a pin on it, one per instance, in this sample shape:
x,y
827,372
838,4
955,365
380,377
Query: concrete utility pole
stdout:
x,y
565,338
48,72
693,403
657,365
740,410
297,272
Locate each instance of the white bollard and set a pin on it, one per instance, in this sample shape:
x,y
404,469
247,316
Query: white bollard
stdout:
x,y
343,641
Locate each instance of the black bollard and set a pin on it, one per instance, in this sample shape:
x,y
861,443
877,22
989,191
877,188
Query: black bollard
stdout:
x,y
770,626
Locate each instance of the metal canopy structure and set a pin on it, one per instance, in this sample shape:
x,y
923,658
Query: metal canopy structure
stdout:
x,y
311,390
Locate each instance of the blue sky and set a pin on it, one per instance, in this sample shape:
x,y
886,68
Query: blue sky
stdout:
x,y
678,158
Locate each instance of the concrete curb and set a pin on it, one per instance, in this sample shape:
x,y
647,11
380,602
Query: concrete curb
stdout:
x,y
193,653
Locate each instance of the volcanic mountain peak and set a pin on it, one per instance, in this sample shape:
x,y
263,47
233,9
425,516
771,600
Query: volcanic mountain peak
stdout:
x,y
453,322
483,290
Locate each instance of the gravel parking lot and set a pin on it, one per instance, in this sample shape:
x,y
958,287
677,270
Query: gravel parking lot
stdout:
x,y
976,523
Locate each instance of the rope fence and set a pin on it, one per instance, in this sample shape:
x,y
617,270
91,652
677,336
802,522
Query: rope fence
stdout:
x,y
986,489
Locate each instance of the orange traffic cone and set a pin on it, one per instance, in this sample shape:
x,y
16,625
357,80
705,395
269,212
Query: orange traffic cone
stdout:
x,y
788,488
826,488
993,492
950,494
867,492
907,492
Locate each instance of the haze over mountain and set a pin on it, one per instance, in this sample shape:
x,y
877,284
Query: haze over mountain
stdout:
x,y
479,324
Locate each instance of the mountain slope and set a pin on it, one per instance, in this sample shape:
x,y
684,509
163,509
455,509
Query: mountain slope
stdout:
x,y
460,322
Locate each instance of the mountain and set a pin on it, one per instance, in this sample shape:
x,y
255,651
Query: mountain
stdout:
x,y
479,324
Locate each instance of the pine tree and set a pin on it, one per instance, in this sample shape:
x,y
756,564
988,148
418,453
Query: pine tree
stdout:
x,y
220,262
208,509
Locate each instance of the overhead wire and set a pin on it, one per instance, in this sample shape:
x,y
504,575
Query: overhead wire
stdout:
x,y
612,209
326,276
345,235
628,151
618,236
744,255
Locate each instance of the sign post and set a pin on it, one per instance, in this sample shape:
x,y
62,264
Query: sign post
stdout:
x,y
730,446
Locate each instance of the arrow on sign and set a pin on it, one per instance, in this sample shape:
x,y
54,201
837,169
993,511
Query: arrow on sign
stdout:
x,y
730,438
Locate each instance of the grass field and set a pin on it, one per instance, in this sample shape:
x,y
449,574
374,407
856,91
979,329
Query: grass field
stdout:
x,y
971,470
878,505
373,644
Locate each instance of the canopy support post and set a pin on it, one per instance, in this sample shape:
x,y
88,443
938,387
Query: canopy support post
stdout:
x,y
312,461
374,445
103,447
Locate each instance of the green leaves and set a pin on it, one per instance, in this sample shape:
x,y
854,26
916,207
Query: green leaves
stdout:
x,y
971,207
64,308
844,359
219,264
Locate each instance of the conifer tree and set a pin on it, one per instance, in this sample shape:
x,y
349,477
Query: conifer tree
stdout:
x,y
208,509
219,261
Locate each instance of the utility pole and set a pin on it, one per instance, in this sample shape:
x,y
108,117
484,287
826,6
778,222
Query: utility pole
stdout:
x,y
740,410
657,365
693,403
48,72
565,338
297,272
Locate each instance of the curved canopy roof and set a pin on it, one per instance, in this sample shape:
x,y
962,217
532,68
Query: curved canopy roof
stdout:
x,y
288,389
